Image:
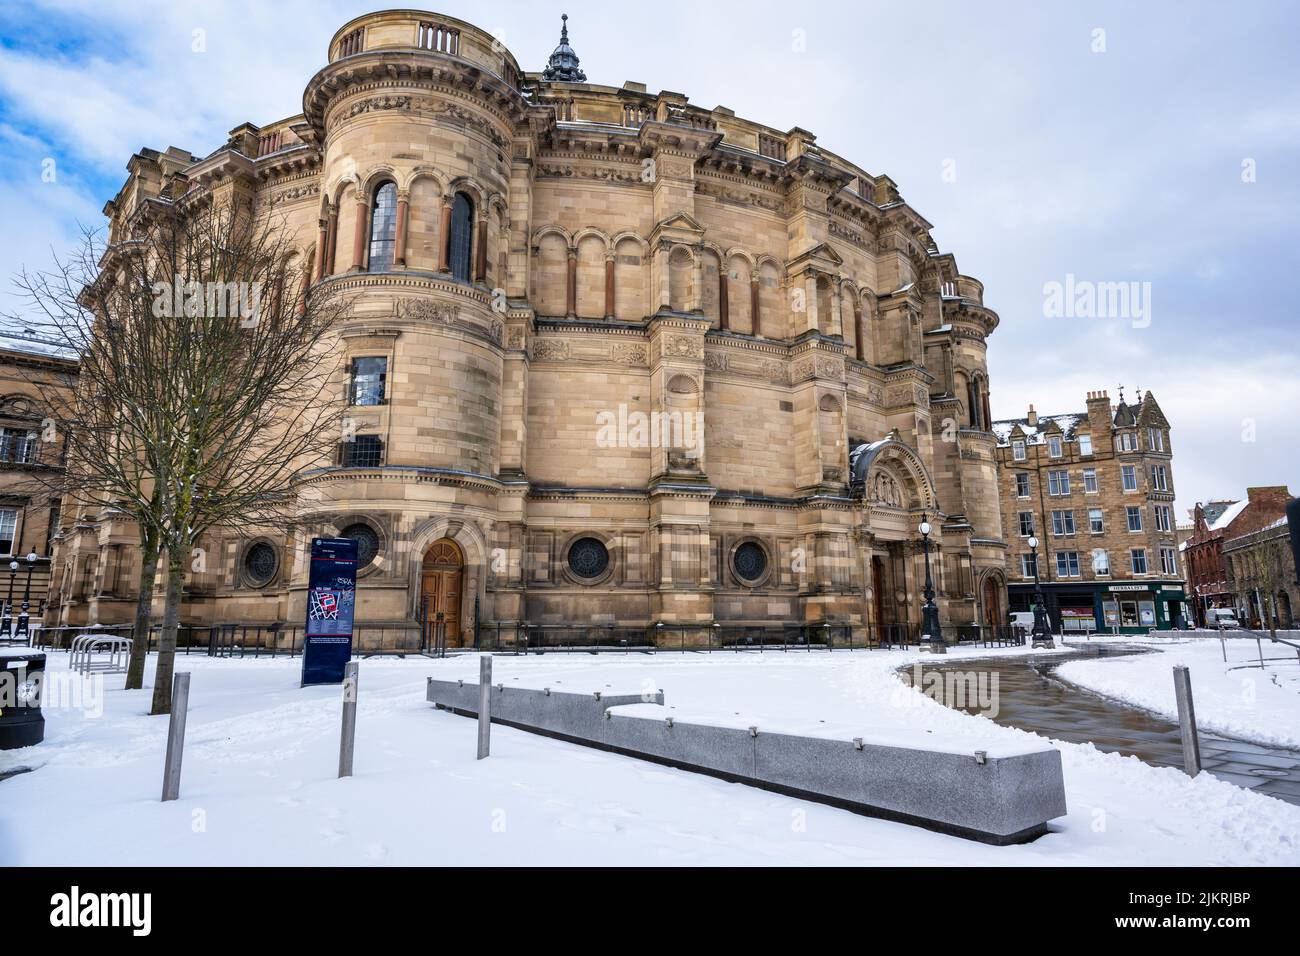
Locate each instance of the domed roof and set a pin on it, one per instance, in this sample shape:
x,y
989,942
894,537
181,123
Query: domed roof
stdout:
x,y
563,65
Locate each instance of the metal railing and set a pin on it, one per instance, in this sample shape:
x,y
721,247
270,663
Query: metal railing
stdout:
x,y
524,637
430,637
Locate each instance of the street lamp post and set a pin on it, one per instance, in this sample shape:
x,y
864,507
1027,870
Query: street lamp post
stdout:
x,y
7,624
931,632
1042,637
27,595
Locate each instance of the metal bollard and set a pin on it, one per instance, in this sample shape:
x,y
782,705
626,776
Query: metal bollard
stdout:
x,y
348,740
1187,721
176,737
484,704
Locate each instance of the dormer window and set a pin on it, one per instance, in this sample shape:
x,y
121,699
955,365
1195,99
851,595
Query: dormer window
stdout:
x,y
1085,444
1018,450
1054,446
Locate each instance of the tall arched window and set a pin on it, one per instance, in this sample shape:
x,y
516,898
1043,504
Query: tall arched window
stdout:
x,y
383,227
460,239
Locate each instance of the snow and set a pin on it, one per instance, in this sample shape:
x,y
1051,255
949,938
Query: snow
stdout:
x,y
1229,515
258,783
1233,699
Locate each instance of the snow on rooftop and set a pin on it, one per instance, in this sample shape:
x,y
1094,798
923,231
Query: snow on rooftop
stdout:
x,y
1036,434
28,341
1229,515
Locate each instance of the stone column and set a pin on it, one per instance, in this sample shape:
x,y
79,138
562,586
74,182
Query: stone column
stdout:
x,y
696,303
837,309
812,321
306,284
661,257
753,303
359,236
322,239
331,240
444,236
609,287
399,240
571,292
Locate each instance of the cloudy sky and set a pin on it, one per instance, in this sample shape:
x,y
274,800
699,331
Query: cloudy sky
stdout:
x,y
1155,144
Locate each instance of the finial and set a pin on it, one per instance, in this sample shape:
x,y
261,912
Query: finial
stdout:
x,y
563,65
1121,394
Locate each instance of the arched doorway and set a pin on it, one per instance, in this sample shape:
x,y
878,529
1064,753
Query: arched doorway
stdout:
x,y
441,578
991,605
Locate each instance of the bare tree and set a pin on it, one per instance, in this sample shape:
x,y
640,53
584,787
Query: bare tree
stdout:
x,y
207,384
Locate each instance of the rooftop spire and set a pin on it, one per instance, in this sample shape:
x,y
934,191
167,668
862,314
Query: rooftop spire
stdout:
x,y
563,65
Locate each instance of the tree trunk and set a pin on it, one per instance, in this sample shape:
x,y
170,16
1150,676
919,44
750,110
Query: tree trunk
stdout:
x,y
143,611
162,683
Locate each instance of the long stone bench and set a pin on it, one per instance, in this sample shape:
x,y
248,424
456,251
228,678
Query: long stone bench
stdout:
x,y
997,799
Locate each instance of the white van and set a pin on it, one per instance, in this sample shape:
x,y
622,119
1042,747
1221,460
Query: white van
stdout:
x,y
1221,617
1023,619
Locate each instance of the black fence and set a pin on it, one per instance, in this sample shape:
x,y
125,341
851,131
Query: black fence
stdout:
x,y
430,638
524,637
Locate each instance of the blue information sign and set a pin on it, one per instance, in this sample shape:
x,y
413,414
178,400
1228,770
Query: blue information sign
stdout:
x,y
331,604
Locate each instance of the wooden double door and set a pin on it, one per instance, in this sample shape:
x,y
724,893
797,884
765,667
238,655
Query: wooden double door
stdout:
x,y
442,577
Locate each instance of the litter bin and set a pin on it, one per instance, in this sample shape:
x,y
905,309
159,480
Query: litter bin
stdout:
x,y
21,675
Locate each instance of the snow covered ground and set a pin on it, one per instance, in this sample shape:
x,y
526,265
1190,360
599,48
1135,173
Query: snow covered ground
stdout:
x,y
1234,698
258,783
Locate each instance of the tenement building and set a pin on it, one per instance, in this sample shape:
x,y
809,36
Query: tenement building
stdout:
x,y
1096,490
1215,523
613,358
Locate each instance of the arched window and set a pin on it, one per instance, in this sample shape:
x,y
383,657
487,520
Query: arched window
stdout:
x,y
383,227
460,239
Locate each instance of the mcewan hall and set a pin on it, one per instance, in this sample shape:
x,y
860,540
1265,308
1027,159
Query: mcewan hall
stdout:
x,y
540,265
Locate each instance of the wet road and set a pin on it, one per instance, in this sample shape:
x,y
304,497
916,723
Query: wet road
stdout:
x,y
1032,697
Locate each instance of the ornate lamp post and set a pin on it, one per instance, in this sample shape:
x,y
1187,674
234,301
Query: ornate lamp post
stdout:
x,y
1042,637
7,624
27,594
931,633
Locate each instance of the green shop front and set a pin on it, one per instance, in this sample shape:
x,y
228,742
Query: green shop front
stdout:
x,y
1124,608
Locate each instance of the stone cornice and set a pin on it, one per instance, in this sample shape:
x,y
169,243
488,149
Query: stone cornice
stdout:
x,y
388,67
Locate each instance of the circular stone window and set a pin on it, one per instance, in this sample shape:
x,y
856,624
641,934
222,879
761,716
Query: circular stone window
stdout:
x,y
260,563
367,542
588,558
750,561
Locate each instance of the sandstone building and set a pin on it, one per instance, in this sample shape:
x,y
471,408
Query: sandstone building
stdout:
x,y
547,270
31,369
1097,490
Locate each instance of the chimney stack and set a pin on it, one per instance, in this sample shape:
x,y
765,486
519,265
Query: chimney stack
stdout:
x,y
1099,413
1032,417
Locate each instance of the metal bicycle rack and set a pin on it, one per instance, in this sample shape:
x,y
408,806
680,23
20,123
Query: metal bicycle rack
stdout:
x,y
100,653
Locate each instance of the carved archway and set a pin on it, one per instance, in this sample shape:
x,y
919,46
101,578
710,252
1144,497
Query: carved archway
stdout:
x,y
891,469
